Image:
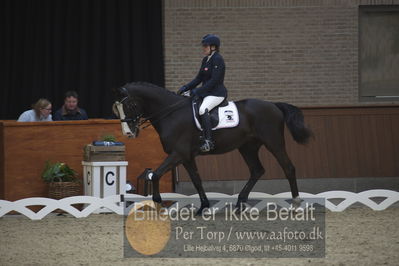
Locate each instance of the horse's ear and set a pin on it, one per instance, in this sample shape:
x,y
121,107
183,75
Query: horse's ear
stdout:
x,y
123,91
120,92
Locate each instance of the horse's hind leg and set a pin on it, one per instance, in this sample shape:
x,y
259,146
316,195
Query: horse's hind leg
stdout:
x,y
249,152
192,170
274,142
289,170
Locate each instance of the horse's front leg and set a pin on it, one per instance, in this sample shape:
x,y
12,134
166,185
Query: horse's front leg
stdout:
x,y
171,161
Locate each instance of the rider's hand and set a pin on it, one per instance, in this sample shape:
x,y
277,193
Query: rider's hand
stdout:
x,y
182,90
186,94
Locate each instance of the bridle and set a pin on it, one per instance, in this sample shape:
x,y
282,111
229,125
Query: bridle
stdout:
x,y
139,119
134,109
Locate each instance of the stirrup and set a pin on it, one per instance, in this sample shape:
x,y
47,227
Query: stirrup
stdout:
x,y
207,145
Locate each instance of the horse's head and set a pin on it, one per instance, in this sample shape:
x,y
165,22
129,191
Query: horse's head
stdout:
x,y
128,110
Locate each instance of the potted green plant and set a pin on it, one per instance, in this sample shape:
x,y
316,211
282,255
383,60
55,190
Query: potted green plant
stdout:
x,y
63,181
108,138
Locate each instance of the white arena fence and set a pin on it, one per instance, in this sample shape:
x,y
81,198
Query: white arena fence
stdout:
x,y
113,203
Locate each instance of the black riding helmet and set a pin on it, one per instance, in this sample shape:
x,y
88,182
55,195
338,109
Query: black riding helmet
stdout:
x,y
211,39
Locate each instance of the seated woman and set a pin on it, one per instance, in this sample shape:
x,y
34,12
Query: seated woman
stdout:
x,y
40,112
212,91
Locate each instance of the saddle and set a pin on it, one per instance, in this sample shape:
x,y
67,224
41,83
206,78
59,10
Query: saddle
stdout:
x,y
225,115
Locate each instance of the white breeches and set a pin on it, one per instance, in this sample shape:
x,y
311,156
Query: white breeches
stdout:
x,y
209,103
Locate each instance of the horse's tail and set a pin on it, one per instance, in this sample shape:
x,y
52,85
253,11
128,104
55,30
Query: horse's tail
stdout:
x,y
293,117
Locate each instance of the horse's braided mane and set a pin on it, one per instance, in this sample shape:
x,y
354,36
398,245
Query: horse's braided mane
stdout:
x,y
150,85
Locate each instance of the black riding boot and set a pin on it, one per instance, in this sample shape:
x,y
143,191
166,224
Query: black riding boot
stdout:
x,y
207,144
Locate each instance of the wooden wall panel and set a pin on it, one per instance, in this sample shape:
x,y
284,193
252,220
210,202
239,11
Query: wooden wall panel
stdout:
x,y
361,141
27,146
395,143
349,142
2,185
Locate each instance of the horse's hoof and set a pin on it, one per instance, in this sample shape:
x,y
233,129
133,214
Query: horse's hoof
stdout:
x,y
157,200
241,207
296,203
202,210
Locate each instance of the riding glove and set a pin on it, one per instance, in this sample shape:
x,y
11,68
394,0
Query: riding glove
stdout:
x,y
183,89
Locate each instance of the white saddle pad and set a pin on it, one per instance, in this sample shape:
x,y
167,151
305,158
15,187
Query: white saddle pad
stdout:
x,y
228,117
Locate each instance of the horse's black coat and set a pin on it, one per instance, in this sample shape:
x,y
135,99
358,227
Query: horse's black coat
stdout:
x,y
261,123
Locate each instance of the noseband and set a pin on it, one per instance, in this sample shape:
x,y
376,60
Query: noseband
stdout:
x,y
132,106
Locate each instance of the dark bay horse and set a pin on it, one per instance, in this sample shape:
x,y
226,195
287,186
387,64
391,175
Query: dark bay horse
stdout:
x,y
261,123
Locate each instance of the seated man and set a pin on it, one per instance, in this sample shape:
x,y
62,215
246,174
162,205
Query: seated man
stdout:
x,y
70,109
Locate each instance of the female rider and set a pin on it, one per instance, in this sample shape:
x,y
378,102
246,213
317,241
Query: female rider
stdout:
x,y
212,91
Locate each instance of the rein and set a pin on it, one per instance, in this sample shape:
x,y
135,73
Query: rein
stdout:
x,y
163,113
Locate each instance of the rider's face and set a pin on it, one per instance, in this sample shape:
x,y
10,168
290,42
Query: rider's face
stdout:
x,y
206,49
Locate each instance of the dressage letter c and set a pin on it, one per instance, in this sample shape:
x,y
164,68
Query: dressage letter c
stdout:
x,y
88,178
106,178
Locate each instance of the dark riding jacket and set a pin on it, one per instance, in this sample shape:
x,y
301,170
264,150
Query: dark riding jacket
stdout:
x,y
63,115
211,74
